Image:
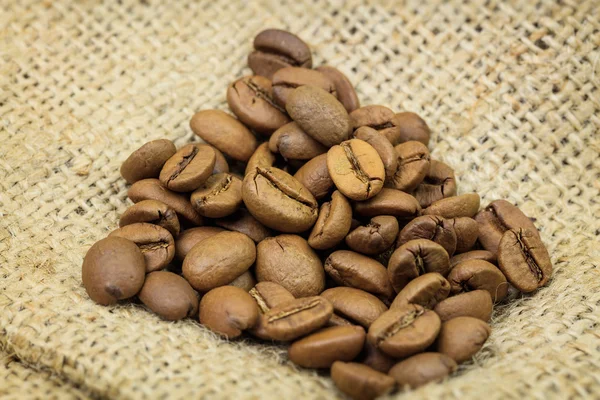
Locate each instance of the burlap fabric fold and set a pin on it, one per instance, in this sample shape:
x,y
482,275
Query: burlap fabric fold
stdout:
x,y
510,90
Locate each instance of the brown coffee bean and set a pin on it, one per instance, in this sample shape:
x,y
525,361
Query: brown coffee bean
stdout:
x,y
524,260
380,118
414,258
314,175
359,381
478,274
289,261
439,183
155,242
413,166
251,100
345,90
431,227
218,260
351,269
426,290
389,202
404,331
473,255
113,269
287,79
422,368
467,231
377,359
336,320
294,144
262,157
242,221
464,205
278,200
332,224
228,310
476,304
221,164
152,212
355,305
319,114
322,348
276,49
412,127
245,281
147,161
190,237
462,337
169,295
375,237
219,196
269,295
382,146
188,168
225,133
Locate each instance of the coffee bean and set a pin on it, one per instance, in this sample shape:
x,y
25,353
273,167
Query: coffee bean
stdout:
x,y
169,295
228,310
426,290
389,202
359,381
225,133
287,79
431,227
414,258
355,305
464,205
245,281
147,161
476,304
375,237
478,274
190,237
351,269
276,49
218,260
188,168
524,260
380,118
467,231
152,212
319,114
242,221
322,348
462,337
345,90
269,295
413,166
382,146
262,157
289,261
293,143
278,200
404,331
219,196
113,269
155,242
336,320
439,183
377,359
221,164
314,175
412,127
473,255
332,224
422,368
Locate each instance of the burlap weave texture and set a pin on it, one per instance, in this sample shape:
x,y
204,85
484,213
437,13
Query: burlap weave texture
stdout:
x,y
510,90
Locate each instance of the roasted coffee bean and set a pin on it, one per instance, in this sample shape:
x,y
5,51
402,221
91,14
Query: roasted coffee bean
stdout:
x,y
221,164
155,242
422,368
228,310
314,175
380,118
351,269
276,49
426,290
251,100
476,304
218,260
242,221
431,227
169,295
245,281
375,237
464,205
225,133
319,114
269,295
414,258
377,359
356,169
289,261
188,168
382,146
153,212
359,381
190,237
322,348
332,224
404,331
147,161
462,337
355,305
262,157
286,80
412,127
413,165
478,274
294,144
389,202
152,189
278,200
524,260
345,90
473,255
439,183
113,269
467,231
336,320
219,196
498,217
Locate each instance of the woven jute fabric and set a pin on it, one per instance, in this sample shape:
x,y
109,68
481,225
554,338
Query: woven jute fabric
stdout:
x,y
511,91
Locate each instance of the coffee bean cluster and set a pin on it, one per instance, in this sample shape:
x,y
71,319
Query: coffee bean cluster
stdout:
x,y
312,220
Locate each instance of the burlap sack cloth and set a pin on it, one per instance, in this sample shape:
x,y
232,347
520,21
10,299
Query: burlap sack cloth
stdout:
x,y
511,92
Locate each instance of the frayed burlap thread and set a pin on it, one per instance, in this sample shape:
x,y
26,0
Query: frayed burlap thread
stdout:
x,y
510,90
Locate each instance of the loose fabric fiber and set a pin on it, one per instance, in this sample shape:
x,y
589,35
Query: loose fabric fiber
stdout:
x,y
511,91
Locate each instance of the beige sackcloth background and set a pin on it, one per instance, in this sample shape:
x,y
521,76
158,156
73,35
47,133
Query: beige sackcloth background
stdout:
x,y
511,92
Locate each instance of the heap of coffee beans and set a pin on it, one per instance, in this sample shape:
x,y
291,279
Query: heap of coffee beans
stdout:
x,y
311,220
